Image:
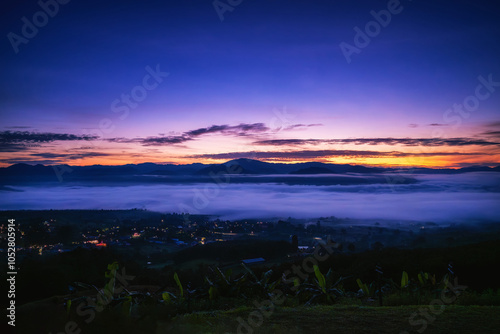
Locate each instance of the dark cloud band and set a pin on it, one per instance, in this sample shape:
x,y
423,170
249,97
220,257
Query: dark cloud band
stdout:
x,y
315,154
39,137
381,141
242,129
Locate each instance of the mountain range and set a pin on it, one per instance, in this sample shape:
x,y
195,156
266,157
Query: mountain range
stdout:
x,y
145,172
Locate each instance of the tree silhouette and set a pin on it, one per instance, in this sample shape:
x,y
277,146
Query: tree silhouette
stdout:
x,y
295,243
351,247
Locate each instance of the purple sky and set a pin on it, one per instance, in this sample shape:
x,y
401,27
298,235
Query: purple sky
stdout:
x,y
270,81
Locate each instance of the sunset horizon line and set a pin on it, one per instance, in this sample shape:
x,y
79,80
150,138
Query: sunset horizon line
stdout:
x,y
287,162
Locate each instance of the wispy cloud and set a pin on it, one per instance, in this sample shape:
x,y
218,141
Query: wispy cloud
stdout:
x,y
493,130
13,147
39,137
70,156
17,141
48,158
301,126
242,129
159,141
28,161
381,141
495,124
316,154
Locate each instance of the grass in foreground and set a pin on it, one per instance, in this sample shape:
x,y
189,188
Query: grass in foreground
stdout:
x,y
342,319
314,319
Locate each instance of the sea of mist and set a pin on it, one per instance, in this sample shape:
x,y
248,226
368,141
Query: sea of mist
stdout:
x,y
468,197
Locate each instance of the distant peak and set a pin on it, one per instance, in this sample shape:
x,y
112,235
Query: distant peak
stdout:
x,y
239,160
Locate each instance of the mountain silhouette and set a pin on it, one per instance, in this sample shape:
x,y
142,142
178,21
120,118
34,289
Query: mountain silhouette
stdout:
x,y
143,173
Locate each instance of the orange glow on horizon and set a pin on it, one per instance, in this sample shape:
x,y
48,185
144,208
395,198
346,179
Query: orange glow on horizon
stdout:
x,y
429,161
